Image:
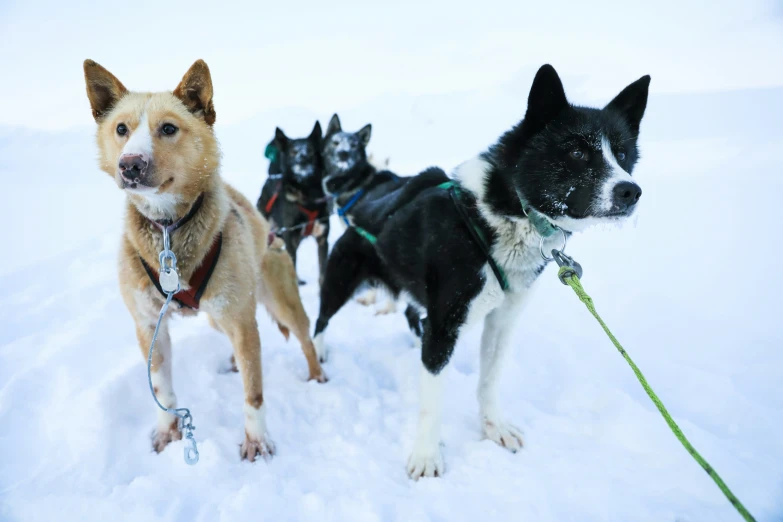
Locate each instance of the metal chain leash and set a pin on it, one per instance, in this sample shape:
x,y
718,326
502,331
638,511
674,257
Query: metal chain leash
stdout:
x,y
169,282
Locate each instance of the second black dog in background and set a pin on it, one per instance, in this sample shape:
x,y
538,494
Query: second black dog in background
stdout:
x,y
292,198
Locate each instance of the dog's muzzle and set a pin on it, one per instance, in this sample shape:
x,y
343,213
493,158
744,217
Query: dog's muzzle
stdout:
x,y
134,168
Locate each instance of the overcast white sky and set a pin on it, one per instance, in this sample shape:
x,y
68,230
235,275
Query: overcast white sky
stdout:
x,y
330,55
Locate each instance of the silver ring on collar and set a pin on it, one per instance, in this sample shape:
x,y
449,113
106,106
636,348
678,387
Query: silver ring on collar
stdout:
x,y
541,245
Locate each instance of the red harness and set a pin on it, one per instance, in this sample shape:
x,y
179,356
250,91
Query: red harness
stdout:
x,y
273,199
312,215
200,278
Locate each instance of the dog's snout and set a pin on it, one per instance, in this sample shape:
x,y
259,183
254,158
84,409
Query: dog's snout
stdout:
x,y
343,155
133,166
626,194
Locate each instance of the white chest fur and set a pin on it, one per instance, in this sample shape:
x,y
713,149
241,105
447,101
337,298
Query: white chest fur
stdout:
x,y
516,250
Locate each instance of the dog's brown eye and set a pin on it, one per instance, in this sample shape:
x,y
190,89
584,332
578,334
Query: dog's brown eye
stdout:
x,y
122,130
168,129
577,154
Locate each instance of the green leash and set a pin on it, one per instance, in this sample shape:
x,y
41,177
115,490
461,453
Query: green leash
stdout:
x,y
567,275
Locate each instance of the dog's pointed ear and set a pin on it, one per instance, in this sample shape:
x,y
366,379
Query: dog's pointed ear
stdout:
x,y
195,91
632,102
281,140
334,125
315,136
364,134
546,99
103,89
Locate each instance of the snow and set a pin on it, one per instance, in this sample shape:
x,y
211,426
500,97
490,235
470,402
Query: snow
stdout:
x,y
690,287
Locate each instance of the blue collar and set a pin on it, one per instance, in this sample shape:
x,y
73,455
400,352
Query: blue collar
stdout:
x,y
341,211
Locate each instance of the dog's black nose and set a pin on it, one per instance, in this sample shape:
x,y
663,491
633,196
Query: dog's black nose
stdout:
x,y
133,167
342,155
626,194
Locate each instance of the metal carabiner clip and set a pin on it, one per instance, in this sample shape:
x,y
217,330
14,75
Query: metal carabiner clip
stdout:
x,y
564,260
191,450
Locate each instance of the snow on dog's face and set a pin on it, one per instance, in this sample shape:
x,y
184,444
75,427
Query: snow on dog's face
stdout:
x,y
574,163
159,147
344,155
300,162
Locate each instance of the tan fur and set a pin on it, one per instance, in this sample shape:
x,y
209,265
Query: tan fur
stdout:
x,y
184,166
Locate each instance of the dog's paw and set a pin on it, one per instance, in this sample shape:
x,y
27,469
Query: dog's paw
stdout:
x,y
161,438
320,347
253,448
320,378
506,435
426,463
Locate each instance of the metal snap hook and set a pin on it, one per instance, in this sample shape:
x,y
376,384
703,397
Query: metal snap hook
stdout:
x,y
572,268
562,249
191,451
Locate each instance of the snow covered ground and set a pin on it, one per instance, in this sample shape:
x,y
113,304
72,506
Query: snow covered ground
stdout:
x,y
691,288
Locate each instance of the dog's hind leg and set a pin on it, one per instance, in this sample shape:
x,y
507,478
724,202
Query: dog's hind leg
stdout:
x,y
323,255
279,293
414,320
345,271
168,425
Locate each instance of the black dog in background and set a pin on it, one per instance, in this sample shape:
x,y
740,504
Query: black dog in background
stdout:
x,y
292,198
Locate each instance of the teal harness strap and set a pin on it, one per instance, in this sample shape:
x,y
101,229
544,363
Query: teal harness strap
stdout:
x,y
543,226
475,231
478,235
366,235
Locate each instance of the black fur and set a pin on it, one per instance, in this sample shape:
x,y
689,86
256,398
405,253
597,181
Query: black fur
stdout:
x,y
295,177
534,158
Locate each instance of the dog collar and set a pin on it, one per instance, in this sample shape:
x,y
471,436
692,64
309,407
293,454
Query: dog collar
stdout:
x,y
540,222
172,226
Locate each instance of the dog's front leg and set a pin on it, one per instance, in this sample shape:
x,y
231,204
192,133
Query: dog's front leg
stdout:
x,y
168,425
426,459
495,342
243,332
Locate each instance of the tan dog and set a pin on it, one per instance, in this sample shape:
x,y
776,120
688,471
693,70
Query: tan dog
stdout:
x,y
162,152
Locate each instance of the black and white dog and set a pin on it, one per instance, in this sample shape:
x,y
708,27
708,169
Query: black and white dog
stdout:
x,y
292,198
565,165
